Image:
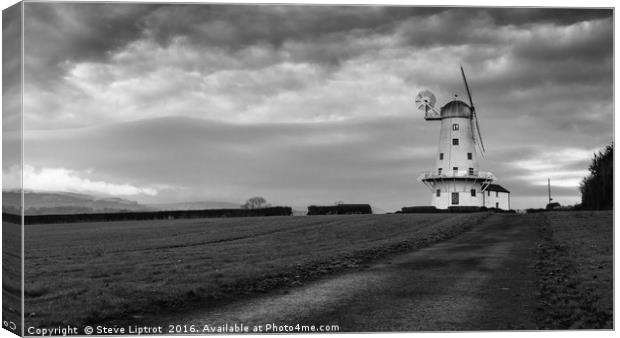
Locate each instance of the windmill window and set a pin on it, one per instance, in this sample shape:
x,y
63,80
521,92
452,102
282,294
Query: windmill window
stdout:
x,y
455,171
496,205
469,156
441,156
438,192
473,192
455,141
471,171
439,171
455,126
497,194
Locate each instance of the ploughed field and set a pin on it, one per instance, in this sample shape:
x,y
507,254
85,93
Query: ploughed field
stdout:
x,y
117,272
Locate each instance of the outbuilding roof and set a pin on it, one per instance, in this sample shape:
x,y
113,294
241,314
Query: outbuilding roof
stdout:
x,y
497,187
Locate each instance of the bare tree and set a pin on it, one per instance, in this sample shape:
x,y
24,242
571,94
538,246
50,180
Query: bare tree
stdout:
x,y
255,202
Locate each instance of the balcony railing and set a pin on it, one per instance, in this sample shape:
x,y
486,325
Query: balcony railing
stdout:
x,y
474,175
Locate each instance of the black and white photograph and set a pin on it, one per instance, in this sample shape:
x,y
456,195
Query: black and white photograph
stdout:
x,y
297,168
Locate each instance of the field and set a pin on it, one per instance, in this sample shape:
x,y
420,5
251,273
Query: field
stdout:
x,y
135,272
575,268
94,273
11,275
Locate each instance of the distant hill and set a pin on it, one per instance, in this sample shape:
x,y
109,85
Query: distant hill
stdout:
x,y
49,203
54,203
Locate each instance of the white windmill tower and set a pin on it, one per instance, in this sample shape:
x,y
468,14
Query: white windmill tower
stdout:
x,y
456,179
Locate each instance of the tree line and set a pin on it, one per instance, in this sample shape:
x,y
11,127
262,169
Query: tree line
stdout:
x,y
597,189
149,215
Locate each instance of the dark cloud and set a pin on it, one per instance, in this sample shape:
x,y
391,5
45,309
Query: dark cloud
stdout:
x,y
11,47
56,33
239,26
488,26
80,31
11,92
90,30
558,16
584,41
11,71
322,34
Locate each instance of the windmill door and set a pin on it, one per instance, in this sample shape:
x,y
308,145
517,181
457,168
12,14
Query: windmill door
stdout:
x,y
455,198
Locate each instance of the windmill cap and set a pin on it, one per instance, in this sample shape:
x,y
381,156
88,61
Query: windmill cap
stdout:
x,y
456,108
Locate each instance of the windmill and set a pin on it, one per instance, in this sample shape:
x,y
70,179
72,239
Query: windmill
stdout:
x,y
456,179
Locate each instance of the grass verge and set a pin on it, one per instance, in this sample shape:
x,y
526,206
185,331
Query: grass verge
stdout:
x,y
575,270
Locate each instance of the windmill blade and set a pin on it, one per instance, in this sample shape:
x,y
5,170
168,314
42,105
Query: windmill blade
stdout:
x,y
473,133
473,111
478,130
471,102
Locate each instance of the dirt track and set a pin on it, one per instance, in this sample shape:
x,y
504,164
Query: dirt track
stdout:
x,y
480,280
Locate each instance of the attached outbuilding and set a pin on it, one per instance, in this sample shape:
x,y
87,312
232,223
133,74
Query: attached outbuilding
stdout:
x,y
496,196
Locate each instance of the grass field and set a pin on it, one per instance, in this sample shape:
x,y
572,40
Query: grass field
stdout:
x,y
94,273
11,276
575,267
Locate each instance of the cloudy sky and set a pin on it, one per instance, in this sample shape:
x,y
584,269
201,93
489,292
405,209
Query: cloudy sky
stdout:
x,y
306,104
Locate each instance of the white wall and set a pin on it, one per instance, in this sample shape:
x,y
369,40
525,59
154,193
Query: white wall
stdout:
x,y
502,198
456,156
463,187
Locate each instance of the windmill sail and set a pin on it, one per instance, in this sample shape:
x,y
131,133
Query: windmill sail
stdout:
x,y
478,131
473,111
